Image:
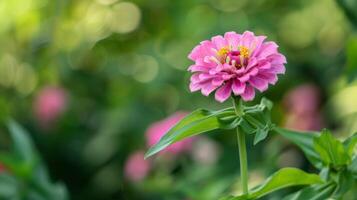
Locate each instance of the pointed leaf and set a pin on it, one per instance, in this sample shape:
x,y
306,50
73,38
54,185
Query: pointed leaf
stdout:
x,y
197,122
331,150
260,135
283,178
350,144
314,192
23,146
256,119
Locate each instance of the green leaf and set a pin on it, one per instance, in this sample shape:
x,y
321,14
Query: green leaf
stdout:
x,y
350,144
256,119
314,192
23,146
305,141
197,122
8,187
260,135
353,167
345,182
283,178
331,150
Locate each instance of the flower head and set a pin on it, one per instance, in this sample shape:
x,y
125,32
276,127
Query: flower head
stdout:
x,y
235,63
159,129
136,167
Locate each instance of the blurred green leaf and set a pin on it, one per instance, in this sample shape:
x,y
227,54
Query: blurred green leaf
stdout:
x,y
353,167
350,9
345,182
314,192
283,178
351,56
197,122
8,187
23,146
331,150
29,176
350,144
305,140
260,135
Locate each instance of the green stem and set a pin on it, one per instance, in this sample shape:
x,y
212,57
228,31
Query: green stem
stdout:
x,y
242,149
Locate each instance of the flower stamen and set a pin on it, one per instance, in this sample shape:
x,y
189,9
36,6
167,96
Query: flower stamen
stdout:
x,y
244,51
223,52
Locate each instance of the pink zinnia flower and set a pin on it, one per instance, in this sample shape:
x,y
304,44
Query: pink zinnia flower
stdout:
x,y
49,104
235,63
136,167
159,129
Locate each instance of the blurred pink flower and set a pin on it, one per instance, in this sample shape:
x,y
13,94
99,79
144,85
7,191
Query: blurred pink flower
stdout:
x,y
302,105
2,168
136,167
238,63
303,99
159,129
312,122
205,151
49,104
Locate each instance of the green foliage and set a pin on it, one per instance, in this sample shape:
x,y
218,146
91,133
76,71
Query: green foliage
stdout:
x,y
26,176
286,177
251,119
197,122
350,144
331,151
332,156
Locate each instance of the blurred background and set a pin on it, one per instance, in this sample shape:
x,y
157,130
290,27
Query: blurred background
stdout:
x,y
96,82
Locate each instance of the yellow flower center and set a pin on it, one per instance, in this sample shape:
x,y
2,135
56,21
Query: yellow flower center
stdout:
x,y
244,51
223,52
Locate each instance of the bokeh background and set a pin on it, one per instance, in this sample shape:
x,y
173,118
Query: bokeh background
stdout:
x,y
88,79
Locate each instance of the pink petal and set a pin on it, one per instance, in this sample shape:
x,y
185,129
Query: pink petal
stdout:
x,y
259,83
252,62
208,88
277,59
217,81
194,87
257,44
219,42
254,71
247,39
264,66
224,92
201,50
278,69
232,39
238,87
198,68
244,78
195,78
267,49
248,94
271,78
